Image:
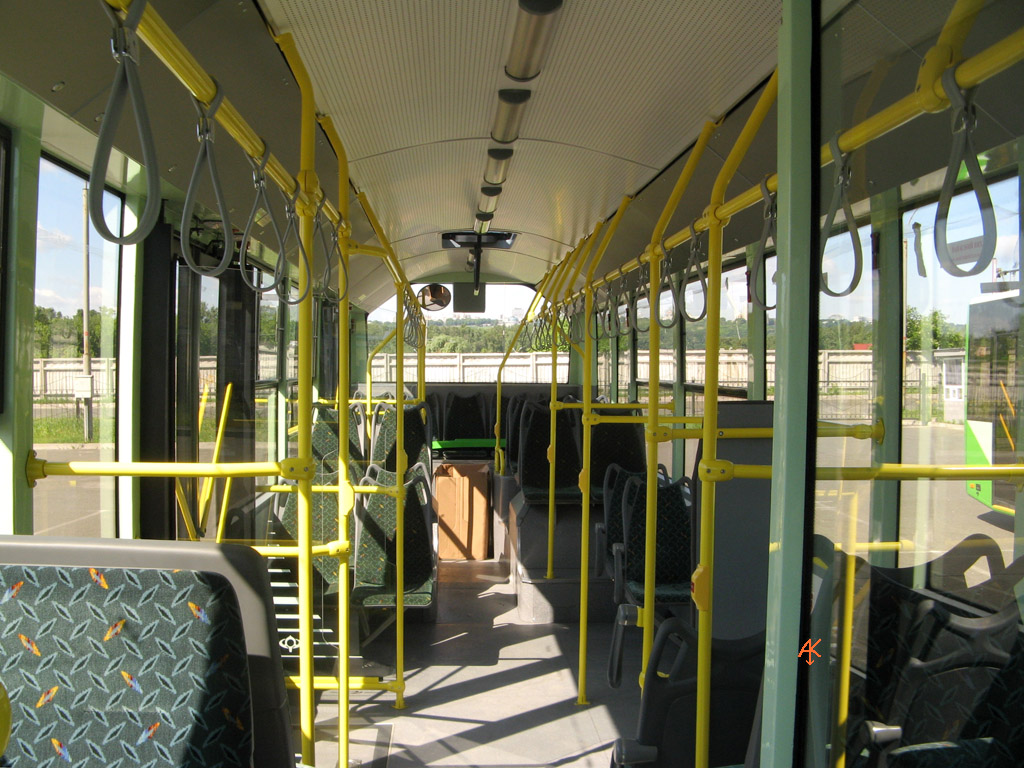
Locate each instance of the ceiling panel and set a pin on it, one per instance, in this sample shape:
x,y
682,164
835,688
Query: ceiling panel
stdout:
x,y
625,89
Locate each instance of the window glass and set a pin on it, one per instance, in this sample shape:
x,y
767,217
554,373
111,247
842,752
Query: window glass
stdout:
x,y
74,373
912,586
960,376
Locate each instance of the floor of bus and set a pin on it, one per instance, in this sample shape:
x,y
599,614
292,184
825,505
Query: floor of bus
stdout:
x,y
485,689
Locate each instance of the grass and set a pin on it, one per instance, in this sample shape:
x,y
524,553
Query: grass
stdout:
x,y
65,429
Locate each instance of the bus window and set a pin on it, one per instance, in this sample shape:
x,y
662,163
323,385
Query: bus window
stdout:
x,y
74,386
961,375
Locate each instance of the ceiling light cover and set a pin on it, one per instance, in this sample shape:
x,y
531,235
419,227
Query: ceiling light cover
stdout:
x,y
509,115
498,159
535,23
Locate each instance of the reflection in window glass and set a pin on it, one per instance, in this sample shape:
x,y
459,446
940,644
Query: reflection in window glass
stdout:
x,y
68,423
961,376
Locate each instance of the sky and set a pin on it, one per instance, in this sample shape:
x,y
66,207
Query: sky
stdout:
x,y
59,245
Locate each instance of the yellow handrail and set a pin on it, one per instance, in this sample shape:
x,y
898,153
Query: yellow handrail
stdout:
x,y
646,615
561,278
36,468
969,73
584,478
153,30
309,186
346,497
206,494
703,577
499,453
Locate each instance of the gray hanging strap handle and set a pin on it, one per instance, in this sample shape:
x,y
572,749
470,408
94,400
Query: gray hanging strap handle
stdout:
x,y
332,249
769,230
841,164
642,290
320,233
919,251
696,261
964,121
259,180
595,323
205,157
292,228
124,44
666,285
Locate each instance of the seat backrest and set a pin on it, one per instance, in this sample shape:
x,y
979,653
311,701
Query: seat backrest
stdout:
x,y
465,417
621,444
434,412
513,430
324,506
416,442
668,705
742,516
534,467
111,637
376,546
356,441
615,479
385,435
672,552
932,659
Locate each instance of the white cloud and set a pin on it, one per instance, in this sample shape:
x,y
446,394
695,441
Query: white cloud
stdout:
x,y
51,239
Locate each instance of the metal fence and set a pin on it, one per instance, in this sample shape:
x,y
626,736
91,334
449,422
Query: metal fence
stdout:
x,y
933,388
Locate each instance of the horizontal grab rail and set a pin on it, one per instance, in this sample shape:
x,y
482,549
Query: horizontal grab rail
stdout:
x,y
294,469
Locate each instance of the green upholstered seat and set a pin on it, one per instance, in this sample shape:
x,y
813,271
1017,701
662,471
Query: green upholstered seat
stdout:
x,y
376,546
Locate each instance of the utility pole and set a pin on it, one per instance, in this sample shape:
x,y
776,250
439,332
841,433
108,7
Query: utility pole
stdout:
x,y
85,391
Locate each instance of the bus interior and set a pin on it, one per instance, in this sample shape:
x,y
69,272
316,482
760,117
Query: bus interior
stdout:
x,y
511,383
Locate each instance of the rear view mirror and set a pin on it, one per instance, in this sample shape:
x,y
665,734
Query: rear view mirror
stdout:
x,y
434,297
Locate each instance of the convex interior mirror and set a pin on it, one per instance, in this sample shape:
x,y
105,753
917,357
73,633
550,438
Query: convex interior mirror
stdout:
x,y
434,297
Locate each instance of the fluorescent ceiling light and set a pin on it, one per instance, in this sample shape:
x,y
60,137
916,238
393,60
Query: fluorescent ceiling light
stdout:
x,y
509,115
498,159
535,23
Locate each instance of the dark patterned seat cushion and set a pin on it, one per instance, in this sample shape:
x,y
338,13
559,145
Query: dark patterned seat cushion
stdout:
x,y
377,549
110,668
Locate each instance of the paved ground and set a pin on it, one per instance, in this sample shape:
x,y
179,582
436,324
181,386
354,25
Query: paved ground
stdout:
x,y
487,690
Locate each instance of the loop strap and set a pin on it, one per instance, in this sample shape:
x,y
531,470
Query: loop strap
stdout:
x,y
769,230
259,181
204,132
963,151
292,228
124,44
642,290
841,163
696,261
665,285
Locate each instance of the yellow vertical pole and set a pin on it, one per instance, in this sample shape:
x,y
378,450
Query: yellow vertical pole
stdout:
x,y
703,577
538,295
400,466
588,410
656,253
845,634
552,308
346,497
310,186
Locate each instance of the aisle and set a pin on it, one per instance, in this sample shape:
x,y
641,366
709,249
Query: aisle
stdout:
x,y
486,690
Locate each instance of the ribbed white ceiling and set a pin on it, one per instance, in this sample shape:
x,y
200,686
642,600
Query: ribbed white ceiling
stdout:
x,y
412,88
